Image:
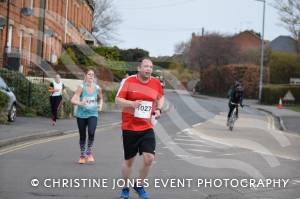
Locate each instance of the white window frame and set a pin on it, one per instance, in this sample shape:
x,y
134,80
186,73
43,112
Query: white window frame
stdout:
x,y
29,48
50,48
9,39
21,41
31,4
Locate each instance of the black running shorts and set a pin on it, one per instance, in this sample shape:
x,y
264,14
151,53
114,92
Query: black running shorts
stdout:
x,y
138,142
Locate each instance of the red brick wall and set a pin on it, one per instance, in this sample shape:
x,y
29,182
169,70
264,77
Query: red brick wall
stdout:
x,y
246,41
79,13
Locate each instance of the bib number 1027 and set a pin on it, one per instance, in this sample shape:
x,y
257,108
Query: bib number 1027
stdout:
x,y
143,110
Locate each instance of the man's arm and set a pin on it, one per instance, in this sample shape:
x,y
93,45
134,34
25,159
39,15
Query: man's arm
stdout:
x,y
160,103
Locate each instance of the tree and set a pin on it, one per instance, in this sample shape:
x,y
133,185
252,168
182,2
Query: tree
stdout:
x,y
289,11
105,20
133,55
181,50
211,50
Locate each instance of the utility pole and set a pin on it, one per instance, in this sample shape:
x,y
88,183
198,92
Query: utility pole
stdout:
x,y
262,52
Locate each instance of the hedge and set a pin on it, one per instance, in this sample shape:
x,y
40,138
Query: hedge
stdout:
x,y
3,104
33,99
272,93
217,80
283,66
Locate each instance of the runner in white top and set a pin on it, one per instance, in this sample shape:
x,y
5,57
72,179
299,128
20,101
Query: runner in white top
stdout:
x,y
55,88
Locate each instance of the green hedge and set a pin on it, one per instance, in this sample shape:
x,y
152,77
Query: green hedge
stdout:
x,y
272,93
283,66
110,53
33,99
3,104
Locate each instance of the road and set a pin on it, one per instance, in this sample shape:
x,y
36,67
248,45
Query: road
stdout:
x,y
193,145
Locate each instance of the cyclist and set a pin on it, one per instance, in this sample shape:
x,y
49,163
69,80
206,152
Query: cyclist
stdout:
x,y
236,94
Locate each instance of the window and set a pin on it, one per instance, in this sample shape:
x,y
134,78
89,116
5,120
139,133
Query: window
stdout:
x,y
29,48
21,40
50,48
31,4
9,40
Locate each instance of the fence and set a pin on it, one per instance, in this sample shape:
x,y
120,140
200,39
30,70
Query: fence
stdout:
x,y
21,86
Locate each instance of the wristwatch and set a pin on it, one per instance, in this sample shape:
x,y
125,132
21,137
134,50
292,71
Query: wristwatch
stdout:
x,y
159,110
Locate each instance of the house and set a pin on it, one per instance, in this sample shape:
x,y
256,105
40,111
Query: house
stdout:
x,y
284,44
247,40
34,36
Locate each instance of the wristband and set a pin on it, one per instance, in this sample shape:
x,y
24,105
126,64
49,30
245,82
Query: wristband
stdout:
x,y
158,110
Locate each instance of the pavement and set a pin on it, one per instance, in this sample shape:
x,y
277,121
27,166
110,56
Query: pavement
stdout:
x,y
26,128
30,128
288,120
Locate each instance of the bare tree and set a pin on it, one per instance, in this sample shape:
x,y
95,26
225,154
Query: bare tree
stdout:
x,y
289,11
106,20
181,51
212,49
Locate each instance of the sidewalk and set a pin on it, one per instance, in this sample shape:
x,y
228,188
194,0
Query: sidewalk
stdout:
x,y
289,120
26,128
29,128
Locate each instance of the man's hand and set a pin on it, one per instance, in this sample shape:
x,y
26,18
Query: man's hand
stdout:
x,y
157,113
136,103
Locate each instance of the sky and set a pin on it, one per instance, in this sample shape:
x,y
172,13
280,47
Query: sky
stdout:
x,y
158,25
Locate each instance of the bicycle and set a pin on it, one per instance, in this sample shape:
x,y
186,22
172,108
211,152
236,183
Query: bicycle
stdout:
x,y
233,116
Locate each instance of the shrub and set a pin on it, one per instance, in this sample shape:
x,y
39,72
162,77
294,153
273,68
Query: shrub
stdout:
x,y
33,99
272,93
3,104
110,53
217,80
283,66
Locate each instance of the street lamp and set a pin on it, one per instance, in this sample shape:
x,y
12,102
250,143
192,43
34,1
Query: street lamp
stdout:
x,y
262,52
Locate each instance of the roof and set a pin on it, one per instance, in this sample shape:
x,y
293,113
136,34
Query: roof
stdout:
x,y
250,32
284,44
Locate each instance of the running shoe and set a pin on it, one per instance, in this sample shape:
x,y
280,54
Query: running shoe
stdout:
x,y
82,160
90,158
141,192
125,193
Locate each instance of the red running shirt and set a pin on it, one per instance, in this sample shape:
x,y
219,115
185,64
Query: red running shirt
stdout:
x,y
133,89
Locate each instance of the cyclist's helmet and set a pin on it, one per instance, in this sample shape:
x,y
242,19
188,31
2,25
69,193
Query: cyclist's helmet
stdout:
x,y
239,88
236,84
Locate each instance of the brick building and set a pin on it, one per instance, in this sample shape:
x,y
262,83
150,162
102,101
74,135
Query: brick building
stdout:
x,y
33,34
247,40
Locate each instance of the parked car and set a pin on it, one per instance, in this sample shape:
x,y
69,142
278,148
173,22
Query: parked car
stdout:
x,y
11,108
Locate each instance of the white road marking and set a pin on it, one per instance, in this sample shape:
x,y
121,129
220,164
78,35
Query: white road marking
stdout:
x,y
198,150
178,139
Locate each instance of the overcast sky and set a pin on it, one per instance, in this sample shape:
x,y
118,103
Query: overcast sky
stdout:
x,y
157,25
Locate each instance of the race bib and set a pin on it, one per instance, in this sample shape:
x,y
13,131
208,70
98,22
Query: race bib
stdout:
x,y
144,110
91,102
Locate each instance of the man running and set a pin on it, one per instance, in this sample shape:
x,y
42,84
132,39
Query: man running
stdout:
x,y
141,97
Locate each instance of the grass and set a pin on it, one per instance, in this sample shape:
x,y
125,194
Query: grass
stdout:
x,y
294,108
